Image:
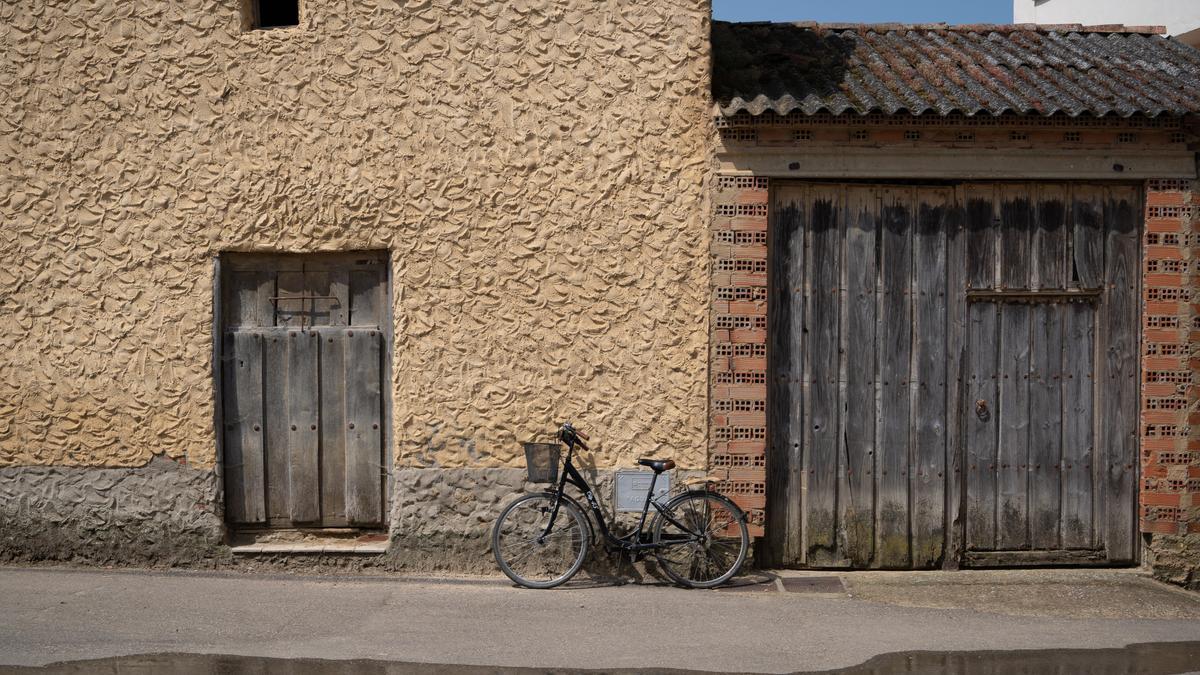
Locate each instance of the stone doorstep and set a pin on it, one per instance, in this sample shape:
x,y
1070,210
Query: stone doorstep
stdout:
x,y
349,547
309,542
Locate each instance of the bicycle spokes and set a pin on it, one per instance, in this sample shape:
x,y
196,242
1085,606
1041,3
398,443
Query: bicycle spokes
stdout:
x,y
532,550
703,541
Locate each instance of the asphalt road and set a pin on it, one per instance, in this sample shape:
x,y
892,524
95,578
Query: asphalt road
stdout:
x,y
49,615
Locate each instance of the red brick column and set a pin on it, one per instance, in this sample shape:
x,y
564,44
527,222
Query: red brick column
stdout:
x,y
1169,507
738,386
1170,490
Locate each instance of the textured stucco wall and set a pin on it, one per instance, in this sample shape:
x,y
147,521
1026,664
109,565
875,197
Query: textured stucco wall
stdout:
x,y
537,170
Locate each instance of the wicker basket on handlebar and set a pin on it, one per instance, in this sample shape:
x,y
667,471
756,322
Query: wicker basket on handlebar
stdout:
x,y
542,460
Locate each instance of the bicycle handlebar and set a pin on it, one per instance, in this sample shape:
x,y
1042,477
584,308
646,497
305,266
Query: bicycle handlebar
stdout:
x,y
569,434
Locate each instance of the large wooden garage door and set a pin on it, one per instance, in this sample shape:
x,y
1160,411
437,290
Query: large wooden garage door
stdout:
x,y
303,348
953,374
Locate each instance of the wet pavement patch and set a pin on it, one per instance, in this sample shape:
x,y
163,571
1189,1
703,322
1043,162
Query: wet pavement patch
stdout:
x,y
1158,658
1155,658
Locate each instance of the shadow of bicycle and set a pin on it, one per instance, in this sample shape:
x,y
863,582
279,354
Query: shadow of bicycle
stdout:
x,y
607,570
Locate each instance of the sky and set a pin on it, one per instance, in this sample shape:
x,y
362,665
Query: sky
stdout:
x,y
866,11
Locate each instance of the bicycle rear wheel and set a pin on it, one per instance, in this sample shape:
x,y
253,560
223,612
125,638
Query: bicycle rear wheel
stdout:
x,y
529,555
713,546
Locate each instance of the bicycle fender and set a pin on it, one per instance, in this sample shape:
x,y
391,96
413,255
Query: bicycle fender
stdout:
x,y
740,514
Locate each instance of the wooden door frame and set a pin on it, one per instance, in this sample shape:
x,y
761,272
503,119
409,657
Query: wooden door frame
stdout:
x,y
218,311
389,338
388,482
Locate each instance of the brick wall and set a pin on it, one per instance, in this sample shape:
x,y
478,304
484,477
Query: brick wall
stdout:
x,y
1170,490
738,401
1169,504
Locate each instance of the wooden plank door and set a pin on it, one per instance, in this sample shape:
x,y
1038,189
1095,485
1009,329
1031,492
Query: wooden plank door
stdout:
x,y
1048,421
952,374
1030,433
304,367
857,397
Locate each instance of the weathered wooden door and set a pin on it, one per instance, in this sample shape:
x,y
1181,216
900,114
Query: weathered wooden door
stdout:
x,y
1032,473
926,349
1051,373
303,353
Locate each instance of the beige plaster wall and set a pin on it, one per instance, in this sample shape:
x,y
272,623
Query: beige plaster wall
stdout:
x,y
537,169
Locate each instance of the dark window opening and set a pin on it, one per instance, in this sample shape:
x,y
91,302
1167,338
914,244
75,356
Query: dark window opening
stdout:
x,y
276,13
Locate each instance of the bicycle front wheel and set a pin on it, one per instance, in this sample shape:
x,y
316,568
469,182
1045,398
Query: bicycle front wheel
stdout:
x,y
531,556
711,545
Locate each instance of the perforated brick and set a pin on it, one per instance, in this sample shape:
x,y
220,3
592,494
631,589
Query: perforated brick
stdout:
x,y
1170,323
737,455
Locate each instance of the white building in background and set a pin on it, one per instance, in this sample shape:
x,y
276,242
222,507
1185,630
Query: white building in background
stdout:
x,y
1181,17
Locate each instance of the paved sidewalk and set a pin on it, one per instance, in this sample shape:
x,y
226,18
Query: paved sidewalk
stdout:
x,y
799,621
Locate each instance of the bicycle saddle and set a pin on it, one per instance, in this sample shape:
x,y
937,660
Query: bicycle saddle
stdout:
x,y
659,465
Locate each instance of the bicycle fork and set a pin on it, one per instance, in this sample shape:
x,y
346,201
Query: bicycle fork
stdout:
x,y
553,515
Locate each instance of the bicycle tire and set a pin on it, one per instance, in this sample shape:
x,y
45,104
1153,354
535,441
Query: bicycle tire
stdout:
x,y
684,563
519,530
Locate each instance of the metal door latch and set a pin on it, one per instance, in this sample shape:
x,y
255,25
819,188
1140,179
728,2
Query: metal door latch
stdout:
x,y
981,410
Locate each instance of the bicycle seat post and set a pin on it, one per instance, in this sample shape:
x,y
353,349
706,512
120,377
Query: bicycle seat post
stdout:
x,y
646,505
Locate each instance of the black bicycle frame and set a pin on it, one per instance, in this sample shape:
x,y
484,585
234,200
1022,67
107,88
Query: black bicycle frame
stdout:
x,y
633,542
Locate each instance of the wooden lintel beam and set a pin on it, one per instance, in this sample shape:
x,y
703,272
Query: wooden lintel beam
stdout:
x,y
956,163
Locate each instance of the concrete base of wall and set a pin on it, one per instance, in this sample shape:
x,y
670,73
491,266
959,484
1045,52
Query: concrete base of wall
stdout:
x,y
442,518
158,514
166,514
1174,558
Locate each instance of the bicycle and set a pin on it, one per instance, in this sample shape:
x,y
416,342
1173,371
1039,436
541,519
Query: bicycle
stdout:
x,y
540,540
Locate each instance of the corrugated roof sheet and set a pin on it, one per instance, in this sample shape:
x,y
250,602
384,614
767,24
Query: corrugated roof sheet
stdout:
x,y
916,69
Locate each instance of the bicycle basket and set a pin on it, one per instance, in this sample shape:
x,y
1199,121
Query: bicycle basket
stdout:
x,y
542,462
